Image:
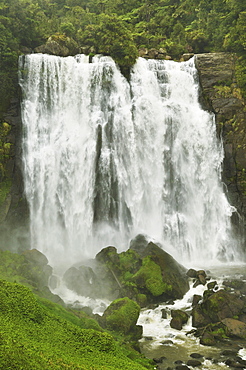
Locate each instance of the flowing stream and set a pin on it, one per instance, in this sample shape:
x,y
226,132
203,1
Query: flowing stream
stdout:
x,y
105,159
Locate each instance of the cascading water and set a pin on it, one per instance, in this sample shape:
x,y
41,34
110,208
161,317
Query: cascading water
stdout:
x,y
105,159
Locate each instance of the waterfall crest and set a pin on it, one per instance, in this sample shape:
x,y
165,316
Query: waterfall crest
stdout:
x,y
105,159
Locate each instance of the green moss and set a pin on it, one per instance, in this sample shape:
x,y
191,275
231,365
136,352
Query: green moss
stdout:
x,y
34,334
129,261
141,299
121,315
150,277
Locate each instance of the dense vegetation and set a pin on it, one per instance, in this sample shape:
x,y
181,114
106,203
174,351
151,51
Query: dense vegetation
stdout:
x,y
120,28
38,334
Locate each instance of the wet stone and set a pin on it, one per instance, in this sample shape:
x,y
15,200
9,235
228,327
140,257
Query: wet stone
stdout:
x,y
229,352
182,367
167,342
191,273
194,363
163,314
241,361
211,285
234,364
196,355
159,360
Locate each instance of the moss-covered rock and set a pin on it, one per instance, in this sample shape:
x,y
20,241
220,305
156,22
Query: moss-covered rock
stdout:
x,y
121,315
29,268
179,318
149,277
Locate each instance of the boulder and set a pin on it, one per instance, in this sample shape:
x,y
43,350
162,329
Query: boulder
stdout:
x,y
235,327
121,316
82,280
215,307
173,274
35,268
221,305
179,318
108,254
35,256
54,48
139,243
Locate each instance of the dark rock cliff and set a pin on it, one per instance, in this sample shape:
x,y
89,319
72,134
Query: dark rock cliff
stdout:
x,y
219,93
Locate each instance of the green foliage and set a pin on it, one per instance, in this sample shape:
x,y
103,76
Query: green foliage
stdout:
x,y
36,334
113,37
118,28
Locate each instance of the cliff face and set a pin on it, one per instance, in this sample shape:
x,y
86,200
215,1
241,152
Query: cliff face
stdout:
x,y
221,95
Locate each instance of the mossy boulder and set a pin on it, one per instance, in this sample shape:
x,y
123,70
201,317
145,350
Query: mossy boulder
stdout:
x,y
173,274
216,307
235,328
179,318
222,304
121,315
212,333
149,277
29,268
218,316
144,273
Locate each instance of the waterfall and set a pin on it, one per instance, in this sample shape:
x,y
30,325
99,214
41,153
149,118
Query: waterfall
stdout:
x,y
105,159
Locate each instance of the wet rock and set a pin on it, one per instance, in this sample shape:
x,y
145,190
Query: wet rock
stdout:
x,y
200,317
239,285
35,256
211,285
207,339
235,327
121,316
217,71
108,254
163,314
173,274
240,360
82,280
196,299
216,307
36,268
196,355
191,273
182,367
139,243
200,278
194,363
159,360
179,318
229,352
167,342
234,364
